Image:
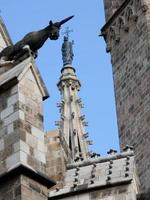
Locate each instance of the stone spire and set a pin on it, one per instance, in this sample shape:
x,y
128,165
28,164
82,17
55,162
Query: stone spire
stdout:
x,y
72,123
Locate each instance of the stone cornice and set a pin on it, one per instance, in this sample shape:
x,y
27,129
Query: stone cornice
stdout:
x,y
101,160
85,189
23,170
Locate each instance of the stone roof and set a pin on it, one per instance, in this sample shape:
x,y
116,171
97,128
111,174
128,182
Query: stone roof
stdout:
x,y
15,74
97,173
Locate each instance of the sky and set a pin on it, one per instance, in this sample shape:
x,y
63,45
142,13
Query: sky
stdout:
x,y
91,61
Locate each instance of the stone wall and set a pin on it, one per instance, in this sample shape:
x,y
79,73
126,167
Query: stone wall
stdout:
x,y
9,135
56,158
22,139
21,126
31,190
11,189
22,188
127,37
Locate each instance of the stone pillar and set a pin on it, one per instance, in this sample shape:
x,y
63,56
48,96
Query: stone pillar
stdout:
x,y
22,141
127,37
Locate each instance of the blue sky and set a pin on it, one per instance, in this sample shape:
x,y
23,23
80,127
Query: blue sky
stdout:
x,y
91,61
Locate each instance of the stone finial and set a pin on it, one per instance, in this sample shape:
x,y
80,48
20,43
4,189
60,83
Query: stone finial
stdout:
x,y
128,148
111,152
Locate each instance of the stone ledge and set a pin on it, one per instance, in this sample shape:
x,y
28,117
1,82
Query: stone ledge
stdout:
x,y
81,190
22,170
100,159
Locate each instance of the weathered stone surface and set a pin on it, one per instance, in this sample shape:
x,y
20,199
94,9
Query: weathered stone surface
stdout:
x,y
130,50
11,189
56,158
111,6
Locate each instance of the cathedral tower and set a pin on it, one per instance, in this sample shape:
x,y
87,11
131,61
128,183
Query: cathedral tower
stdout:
x,y
127,36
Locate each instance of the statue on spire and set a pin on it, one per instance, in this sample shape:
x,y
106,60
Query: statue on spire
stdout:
x,y
67,50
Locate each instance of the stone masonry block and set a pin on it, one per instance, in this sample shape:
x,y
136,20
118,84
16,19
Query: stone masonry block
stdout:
x,y
22,98
40,156
23,157
16,146
10,128
5,113
13,160
24,147
1,144
21,146
21,115
31,140
37,133
41,146
12,99
11,118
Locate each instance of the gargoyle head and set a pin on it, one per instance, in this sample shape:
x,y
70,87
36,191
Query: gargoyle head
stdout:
x,y
55,28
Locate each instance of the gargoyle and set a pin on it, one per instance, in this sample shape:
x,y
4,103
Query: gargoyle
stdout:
x,y
33,40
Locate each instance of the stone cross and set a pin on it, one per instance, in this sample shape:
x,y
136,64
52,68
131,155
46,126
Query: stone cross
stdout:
x,y
67,32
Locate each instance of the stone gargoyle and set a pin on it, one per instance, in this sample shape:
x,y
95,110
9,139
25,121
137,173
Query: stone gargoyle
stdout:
x,y
32,41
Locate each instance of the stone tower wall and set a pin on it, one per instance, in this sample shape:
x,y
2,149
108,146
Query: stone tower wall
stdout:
x,y
127,36
21,135
22,139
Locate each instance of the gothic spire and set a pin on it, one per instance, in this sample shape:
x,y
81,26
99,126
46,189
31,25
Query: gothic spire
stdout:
x,y
72,123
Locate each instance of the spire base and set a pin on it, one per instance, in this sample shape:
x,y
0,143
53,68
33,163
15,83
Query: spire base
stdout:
x,y
68,66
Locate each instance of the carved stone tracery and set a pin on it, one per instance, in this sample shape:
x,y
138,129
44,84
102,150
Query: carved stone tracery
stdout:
x,y
74,84
122,22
